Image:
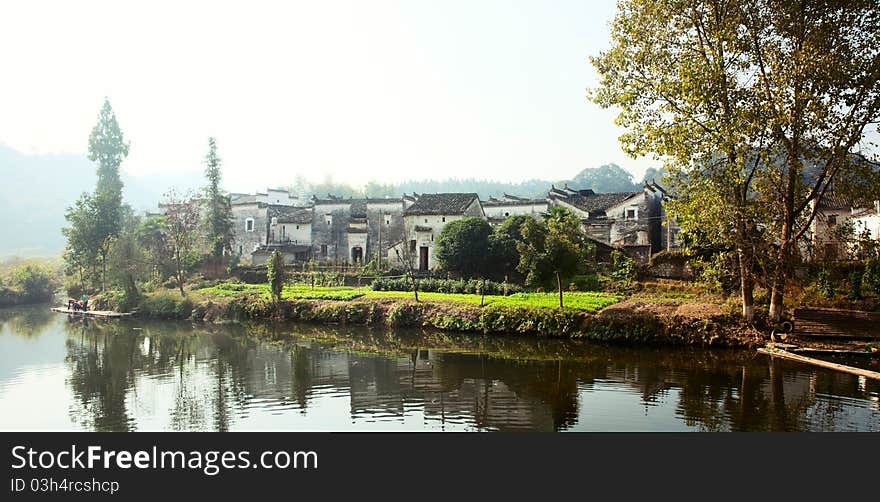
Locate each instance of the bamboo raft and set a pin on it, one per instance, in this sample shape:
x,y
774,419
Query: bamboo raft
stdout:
x,y
784,354
101,314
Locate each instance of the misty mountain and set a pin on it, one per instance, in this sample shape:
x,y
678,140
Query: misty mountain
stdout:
x,y
37,189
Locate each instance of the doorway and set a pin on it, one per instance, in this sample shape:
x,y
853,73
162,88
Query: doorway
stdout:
x,y
357,254
423,258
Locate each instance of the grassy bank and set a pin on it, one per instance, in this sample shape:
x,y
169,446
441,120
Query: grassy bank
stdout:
x,y
27,281
590,316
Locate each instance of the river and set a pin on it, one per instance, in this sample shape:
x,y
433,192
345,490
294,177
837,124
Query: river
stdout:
x,y
58,373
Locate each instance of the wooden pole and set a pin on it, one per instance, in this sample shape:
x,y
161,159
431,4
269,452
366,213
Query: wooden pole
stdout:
x,y
818,362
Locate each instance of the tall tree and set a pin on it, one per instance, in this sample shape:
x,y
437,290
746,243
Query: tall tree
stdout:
x,y
108,148
553,250
276,273
736,96
818,91
218,207
182,223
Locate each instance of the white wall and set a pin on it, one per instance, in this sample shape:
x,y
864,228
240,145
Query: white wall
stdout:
x,y
503,211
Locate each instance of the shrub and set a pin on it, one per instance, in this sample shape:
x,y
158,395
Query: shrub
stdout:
x,y
452,286
28,282
855,286
871,277
826,284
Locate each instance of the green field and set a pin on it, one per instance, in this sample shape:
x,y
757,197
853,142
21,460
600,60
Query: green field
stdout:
x,y
587,301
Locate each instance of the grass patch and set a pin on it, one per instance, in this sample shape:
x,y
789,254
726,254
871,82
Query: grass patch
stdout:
x,y
583,301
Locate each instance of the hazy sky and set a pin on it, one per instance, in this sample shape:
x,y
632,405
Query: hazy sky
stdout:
x,y
359,90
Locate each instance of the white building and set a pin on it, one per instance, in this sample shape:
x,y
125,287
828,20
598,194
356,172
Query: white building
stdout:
x,y
497,210
423,221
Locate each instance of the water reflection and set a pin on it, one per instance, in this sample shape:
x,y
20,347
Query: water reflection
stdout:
x,y
136,375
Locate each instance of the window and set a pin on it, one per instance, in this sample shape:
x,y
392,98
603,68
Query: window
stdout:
x,y
249,225
506,215
329,220
426,220
297,227
387,220
239,249
632,213
832,220
323,250
444,219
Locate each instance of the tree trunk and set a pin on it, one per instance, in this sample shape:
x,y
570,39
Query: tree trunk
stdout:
x,y
777,295
103,271
747,287
559,286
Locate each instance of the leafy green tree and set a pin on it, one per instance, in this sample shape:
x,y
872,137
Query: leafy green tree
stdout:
x,y
128,259
108,148
463,244
276,272
503,253
605,178
219,209
83,241
757,107
152,236
556,248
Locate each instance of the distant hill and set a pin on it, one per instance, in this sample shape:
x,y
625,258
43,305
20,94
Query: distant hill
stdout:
x,y
37,189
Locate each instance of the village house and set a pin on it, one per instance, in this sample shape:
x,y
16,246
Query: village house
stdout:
x,y
498,210
867,220
424,219
252,221
355,231
289,231
629,221
826,240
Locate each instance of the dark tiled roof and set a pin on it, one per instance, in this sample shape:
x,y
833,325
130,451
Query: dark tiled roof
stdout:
x,y
358,208
596,201
245,199
290,214
441,203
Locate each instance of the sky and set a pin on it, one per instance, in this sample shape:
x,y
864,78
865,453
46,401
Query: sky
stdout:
x,y
351,90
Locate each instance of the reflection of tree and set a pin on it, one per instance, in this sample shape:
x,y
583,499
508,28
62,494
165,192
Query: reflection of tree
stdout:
x,y
101,374
300,376
28,321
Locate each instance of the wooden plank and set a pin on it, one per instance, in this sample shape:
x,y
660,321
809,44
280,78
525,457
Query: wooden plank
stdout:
x,y
873,375
91,313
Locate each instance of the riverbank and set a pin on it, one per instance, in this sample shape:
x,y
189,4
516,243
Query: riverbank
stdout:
x,y
590,316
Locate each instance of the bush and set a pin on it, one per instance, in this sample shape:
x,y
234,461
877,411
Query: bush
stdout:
x,y
871,277
855,286
452,286
166,306
585,283
28,282
826,284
